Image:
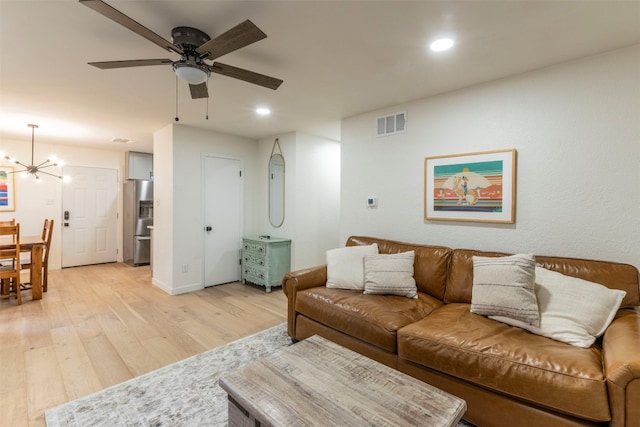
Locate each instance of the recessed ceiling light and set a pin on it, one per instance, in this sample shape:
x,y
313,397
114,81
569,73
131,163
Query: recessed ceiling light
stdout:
x,y
262,111
441,44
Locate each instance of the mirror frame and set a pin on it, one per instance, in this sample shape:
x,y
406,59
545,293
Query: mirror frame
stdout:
x,y
276,222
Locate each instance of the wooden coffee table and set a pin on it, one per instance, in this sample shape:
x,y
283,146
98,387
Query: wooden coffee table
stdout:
x,y
319,383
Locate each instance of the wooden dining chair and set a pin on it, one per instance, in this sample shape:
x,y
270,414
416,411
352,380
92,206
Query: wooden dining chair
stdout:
x,y
47,233
10,272
12,221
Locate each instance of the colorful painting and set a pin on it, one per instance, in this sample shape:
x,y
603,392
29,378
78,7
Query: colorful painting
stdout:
x,y
471,187
7,189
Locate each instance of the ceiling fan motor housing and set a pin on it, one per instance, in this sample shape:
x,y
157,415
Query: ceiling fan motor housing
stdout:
x,y
190,67
188,39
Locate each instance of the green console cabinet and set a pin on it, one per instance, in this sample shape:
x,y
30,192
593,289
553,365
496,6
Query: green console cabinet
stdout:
x,y
265,261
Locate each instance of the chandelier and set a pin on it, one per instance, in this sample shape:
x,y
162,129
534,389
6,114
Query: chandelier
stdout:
x,y
32,168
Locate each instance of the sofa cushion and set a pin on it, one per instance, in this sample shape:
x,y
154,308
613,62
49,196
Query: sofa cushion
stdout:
x,y
504,286
572,310
508,360
430,264
345,266
613,275
460,277
370,318
390,274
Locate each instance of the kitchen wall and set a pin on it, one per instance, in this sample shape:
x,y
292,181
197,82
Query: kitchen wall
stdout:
x,y
576,128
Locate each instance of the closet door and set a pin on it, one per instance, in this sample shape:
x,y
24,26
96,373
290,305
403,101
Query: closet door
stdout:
x,y
222,220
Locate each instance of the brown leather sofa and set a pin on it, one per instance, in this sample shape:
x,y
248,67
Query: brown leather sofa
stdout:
x,y
507,375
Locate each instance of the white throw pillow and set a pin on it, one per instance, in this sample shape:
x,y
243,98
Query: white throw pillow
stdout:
x,y
572,310
345,266
390,274
504,286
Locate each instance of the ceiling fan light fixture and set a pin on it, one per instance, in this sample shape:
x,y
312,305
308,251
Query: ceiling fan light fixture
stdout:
x,y
191,73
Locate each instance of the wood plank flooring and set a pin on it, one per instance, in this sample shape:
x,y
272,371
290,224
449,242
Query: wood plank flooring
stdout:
x,y
100,325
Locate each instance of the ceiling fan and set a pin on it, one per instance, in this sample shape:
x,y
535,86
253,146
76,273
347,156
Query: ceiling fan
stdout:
x,y
194,47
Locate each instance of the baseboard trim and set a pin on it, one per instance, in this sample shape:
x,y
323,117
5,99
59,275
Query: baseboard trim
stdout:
x,y
177,291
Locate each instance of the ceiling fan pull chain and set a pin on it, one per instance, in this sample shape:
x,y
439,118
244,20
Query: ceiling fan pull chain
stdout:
x,y
207,116
177,118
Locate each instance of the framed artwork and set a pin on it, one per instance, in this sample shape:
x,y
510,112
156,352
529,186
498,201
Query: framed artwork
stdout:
x,y
7,189
471,187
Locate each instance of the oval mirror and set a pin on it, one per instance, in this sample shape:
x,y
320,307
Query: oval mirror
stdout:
x,y
276,190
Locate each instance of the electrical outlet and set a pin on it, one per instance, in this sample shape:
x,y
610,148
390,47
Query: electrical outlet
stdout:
x,y
185,268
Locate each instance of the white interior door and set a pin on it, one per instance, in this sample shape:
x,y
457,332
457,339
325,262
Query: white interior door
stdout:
x,y
90,216
223,220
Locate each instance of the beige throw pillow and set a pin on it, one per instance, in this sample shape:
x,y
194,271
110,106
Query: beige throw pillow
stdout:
x,y
345,266
390,274
572,310
504,286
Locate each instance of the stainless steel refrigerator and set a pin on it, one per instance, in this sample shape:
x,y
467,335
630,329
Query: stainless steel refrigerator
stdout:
x,y
138,216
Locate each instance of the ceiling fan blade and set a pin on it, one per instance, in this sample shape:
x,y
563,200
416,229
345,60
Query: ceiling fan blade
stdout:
x,y
122,19
199,91
239,36
245,75
132,63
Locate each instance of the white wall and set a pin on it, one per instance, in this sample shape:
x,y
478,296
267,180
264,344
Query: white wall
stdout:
x,y
576,128
312,196
162,234
317,200
36,201
178,198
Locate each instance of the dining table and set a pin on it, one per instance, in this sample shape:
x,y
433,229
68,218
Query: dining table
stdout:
x,y
35,245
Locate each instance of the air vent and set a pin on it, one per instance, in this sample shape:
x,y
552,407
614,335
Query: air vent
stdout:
x,y
392,124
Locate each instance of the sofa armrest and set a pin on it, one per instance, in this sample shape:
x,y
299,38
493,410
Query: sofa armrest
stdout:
x,y
295,281
621,353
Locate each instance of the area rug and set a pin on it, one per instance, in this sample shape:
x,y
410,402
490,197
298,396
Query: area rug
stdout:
x,y
183,394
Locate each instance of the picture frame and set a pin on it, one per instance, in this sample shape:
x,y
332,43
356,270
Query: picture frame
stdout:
x,y
479,187
7,189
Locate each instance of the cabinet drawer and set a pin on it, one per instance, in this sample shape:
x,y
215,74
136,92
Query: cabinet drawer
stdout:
x,y
250,258
255,247
254,276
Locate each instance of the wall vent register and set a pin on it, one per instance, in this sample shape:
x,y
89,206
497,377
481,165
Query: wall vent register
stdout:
x,y
391,124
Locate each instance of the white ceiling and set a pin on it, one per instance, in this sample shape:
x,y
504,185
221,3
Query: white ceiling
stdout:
x,y
337,59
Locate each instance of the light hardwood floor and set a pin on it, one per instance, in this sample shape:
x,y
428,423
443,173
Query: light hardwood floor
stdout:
x,y
100,325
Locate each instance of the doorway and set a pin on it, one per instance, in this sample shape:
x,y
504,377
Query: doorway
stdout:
x,y
222,220
89,216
